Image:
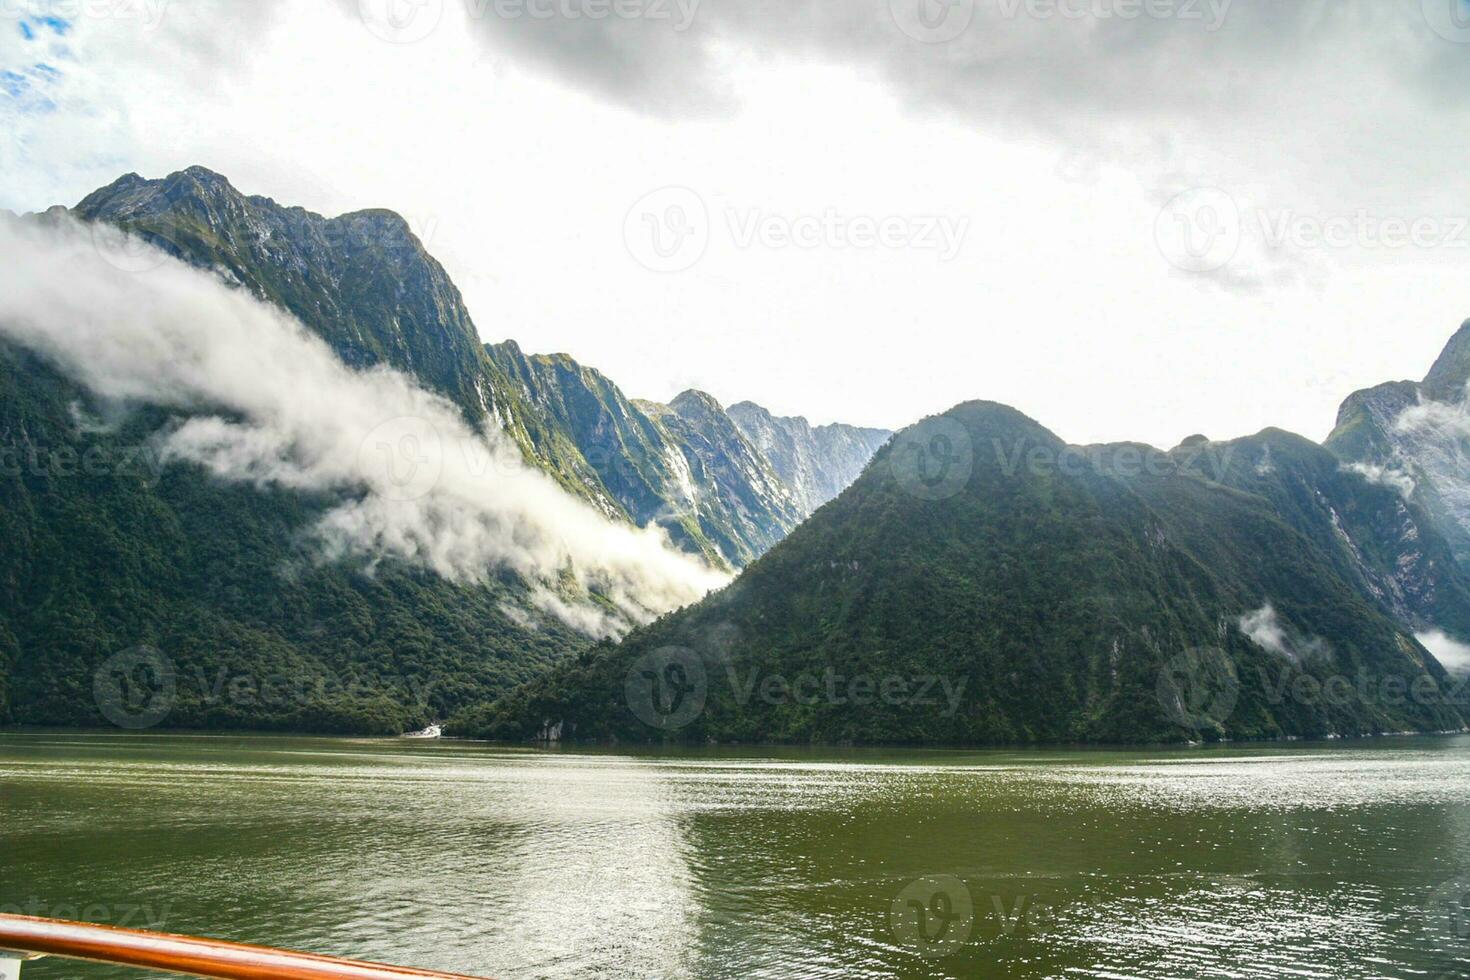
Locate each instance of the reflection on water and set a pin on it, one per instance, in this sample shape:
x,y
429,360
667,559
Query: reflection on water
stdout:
x,y
1309,861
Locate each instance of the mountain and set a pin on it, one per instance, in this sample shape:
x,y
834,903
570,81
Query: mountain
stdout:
x,y
748,495
816,464
116,562
125,555
1415,437
141,552
984,582
686,466
1387,546
362,281
366,284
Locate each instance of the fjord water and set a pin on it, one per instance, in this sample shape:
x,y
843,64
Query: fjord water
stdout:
x,y
1335,860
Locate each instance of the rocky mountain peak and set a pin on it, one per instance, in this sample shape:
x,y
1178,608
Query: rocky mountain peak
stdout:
x,y
367,285
817,464
695,404
1452,369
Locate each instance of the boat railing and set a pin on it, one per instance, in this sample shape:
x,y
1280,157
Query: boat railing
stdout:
x,y
25,938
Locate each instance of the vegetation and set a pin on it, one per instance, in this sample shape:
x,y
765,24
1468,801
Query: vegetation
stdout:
x,y
108,552
1050,593
1062,601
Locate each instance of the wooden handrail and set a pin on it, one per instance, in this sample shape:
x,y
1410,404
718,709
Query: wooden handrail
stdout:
x,y
185,954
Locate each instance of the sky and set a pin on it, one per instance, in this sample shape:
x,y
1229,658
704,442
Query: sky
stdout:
x,y
1130,219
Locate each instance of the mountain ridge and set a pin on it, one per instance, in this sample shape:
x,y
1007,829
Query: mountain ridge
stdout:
x,y
1070,595
212,576
366,283
1416,436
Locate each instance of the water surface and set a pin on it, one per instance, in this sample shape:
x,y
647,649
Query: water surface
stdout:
x,y
1337,860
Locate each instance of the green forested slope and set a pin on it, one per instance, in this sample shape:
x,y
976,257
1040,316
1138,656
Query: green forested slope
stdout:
x,y
1056,595
108,552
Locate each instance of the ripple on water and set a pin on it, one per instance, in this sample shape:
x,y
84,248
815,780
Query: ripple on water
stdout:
x,y
1240,862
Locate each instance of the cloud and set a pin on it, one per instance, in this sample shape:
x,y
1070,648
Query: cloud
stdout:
x,y
77,75
992,58
1436,437
271,404
1264,628
1436,420
1138,83
1451,653
1243,95
1385,476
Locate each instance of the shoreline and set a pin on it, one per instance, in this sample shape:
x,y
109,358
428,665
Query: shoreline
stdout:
x,y
652,747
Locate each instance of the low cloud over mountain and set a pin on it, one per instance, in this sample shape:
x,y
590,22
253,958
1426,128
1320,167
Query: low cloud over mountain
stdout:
x,y
273,405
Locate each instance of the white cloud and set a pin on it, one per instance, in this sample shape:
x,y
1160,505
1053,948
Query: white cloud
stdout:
x,y
1264,628
518,616
1444,421
1060,139
272,404
1453,655
1385,476
1436,437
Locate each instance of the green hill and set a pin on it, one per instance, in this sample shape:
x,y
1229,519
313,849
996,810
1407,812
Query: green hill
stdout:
x,y
108,552
1008,588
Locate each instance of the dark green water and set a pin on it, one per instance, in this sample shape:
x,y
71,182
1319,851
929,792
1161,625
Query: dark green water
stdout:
x,y
1303,861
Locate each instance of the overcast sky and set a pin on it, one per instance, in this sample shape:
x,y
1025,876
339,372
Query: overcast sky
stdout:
x,y
1131,219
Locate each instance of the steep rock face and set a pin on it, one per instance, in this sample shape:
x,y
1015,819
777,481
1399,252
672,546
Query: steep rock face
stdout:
x,y
1451,370
738,496
369,287
618,447
1376,536
690,466
1415,437
1063,593
816,464
361,281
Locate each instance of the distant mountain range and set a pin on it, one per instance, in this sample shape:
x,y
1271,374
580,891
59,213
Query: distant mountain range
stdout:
x,y
972,579
984,582
158,555
708,476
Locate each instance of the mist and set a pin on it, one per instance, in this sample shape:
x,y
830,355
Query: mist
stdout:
x,y
1264,628
271,404
1385,476
1453,655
